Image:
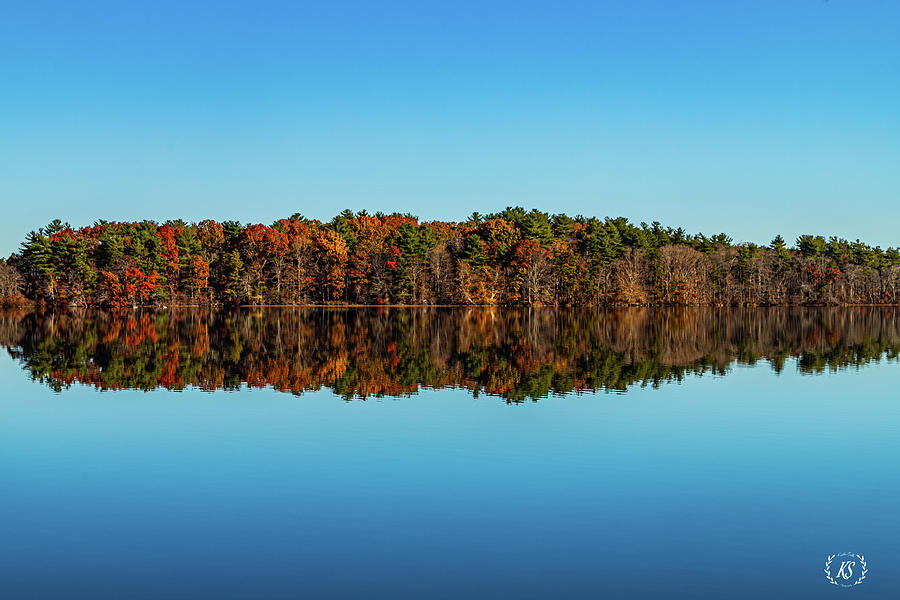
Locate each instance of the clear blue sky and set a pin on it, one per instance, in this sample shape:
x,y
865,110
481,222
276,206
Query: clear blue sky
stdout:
x,y
752,117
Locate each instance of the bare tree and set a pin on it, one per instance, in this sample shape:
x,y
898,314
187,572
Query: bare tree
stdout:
x,y
11,281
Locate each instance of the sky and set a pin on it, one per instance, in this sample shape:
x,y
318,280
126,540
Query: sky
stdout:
x,y
750,117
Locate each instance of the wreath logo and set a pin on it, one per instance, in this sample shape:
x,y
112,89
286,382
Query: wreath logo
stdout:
x,y
847,571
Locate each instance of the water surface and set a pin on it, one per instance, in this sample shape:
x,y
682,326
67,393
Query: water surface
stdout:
x,y
436,453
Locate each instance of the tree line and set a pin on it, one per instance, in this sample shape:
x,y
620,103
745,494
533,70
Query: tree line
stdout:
x,y
514,257
515,353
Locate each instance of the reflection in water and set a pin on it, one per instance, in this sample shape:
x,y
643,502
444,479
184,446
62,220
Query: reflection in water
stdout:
x,y
515,354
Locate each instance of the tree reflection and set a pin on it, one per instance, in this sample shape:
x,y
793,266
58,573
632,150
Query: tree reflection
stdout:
x,y
361,353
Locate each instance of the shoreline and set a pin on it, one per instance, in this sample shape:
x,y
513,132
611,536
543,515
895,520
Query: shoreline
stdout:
x,y
32,306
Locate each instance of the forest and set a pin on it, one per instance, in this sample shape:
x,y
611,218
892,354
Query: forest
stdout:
x,y
514,257
514,353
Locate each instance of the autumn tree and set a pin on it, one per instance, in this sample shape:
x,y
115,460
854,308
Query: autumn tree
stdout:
x,y
511,257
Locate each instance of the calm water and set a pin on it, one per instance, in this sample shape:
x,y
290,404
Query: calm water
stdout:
x,y
432,454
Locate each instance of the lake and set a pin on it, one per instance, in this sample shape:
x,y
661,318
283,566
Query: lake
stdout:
x,y
439,453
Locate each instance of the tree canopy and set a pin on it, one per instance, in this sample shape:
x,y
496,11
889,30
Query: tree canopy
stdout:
x,y
515,256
